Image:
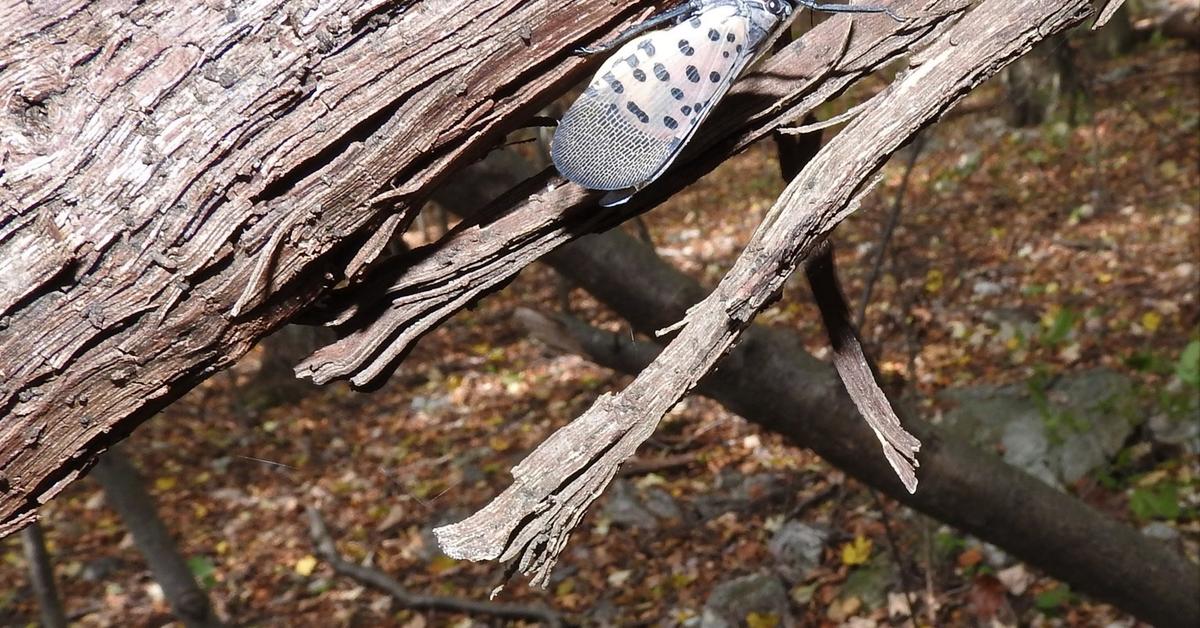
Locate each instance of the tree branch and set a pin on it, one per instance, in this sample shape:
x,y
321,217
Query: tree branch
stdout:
x,y
389,311
160,167
531,520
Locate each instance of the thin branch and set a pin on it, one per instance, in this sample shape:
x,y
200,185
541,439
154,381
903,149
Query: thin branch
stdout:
x,y
41,577
918,144
327,550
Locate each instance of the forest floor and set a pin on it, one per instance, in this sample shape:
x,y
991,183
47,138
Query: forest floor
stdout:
x,y
1090,234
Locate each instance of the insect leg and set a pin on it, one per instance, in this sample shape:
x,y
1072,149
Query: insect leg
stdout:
x,y
812,5
681,12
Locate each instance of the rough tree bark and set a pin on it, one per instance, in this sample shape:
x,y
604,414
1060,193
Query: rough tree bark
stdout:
x,y
178,179
770,380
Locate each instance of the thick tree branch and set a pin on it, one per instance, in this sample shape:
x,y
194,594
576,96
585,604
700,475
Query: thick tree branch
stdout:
x,y
531,521
179,179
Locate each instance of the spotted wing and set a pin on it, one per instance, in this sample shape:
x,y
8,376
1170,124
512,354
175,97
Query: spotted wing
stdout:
x,y
647,100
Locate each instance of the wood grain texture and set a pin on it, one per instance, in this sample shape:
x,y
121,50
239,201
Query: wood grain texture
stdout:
x,y
161,162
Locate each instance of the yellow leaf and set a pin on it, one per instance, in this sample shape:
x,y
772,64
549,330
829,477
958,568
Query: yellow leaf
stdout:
x,y
306,565
222,547
1151,320
499,443
933,281
762,620
442,564
856,552
1103,277
566,587
164,484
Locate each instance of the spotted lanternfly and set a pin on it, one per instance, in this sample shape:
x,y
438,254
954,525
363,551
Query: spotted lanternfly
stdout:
x,y
649,98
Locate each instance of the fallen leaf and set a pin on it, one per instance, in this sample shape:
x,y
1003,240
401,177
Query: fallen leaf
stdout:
x,y
306,565
856,552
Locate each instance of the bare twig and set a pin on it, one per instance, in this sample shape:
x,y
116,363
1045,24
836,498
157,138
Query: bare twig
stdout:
x,y
918,144
125,491
327,550
642,466
894,549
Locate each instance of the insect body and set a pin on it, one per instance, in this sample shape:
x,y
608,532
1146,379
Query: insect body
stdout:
x,y
649,98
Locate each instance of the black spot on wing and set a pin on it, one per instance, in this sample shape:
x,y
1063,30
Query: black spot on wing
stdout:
x,y
639,75
725,53
677,93
632,60
686,110
695,22
714,76
670,123
697,107
713,34
613,82
648,48
660,72
637,112
686,48
693,74
730,37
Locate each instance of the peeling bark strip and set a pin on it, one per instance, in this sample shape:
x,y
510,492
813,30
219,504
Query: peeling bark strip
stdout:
x,y
161,160
899,447
531,521
411,297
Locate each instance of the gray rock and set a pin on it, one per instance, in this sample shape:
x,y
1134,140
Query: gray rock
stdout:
x,y
797,546
1161,531
733,491
1058,434
662,505
625,508
99,569
1176,430
986,288
730,602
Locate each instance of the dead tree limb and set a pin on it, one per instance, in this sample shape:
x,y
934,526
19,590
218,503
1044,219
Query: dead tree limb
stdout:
x,y
530,522
376,579
179,179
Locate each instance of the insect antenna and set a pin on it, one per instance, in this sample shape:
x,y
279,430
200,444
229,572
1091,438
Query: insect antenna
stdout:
x,y
812,5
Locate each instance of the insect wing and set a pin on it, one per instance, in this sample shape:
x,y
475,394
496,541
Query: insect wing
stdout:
x,y
647,100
